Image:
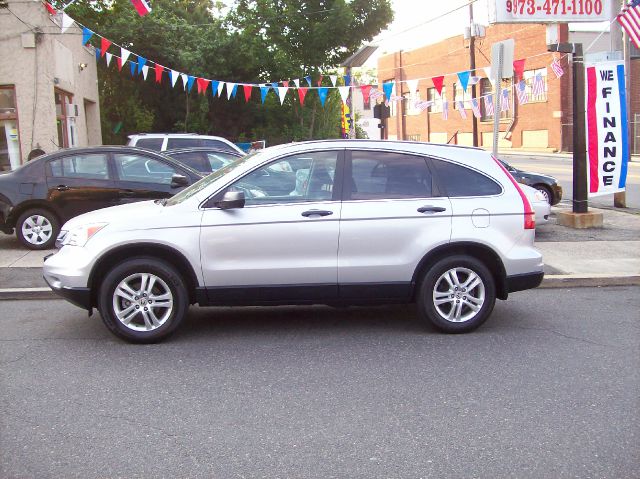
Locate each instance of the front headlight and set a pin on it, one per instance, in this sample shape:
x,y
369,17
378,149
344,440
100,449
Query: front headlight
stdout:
x,y
80,235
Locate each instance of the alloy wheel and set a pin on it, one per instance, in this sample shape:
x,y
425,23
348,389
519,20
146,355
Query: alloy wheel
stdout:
x,y
458,295
142,302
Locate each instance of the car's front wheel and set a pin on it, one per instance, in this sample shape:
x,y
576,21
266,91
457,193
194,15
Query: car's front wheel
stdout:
x,y
457,294
37,228
143,300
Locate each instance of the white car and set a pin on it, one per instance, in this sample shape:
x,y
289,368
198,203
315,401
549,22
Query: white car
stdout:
x,y
343,222
539,203
172,141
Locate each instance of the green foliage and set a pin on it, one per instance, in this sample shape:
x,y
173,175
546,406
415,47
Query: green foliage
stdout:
x,y
257,41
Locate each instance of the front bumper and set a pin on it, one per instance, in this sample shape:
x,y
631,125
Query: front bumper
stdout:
x,y
80,297
67,272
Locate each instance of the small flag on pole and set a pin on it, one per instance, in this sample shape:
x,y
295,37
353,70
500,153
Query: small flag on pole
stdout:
x,y
475,107
488,105
629,19
142,7
521,91
557,68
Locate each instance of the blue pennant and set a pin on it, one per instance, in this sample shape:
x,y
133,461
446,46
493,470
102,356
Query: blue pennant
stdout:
x,y
388,88
233,90
141,62
190,81
308,78
214,87
347,80
86,35
322,93
98,51
133,66
274,85
464,79
263,92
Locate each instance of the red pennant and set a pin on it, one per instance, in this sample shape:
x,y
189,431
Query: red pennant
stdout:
x,y
302,91
203,84
50,9
119,62
285,83
366,91
518,68
437,82
247,92
159,71
320,81
104,46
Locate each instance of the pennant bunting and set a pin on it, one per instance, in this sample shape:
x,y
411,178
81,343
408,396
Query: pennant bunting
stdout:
x,y
190,81
537,89
344,93
214,87
504,100
557,68
264,89
274,85
487,73
159,69
488,105
423,104
220,88
518,68
413,87
375,94
86,35
104,46
119,63
247,89
141,63
296,82
388,88
133,66
109,57
64,21
124,54
185,80
308,78
232,88
203,84
145,71
333,79
475,107
50,9
347,80
173,76
282,93
521,92
320,80
366,92
322,93
142,7
98,54
437,82
285,83
302,92
474,80
445,110
461,110
464,79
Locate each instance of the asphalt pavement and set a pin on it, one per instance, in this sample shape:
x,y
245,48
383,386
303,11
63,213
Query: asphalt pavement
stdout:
x,y
547,388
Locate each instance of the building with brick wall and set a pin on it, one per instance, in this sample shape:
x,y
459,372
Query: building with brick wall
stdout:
x,y
542,124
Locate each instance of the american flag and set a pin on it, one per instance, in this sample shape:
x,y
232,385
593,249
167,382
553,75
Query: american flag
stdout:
x,y
142,7
461,110
475,106
629,19
504,100
423,104
537,89
521,91
557,68
375,94
445,110
488,105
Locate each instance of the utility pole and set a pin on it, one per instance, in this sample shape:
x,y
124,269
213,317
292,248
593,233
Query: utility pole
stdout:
x,y
472,67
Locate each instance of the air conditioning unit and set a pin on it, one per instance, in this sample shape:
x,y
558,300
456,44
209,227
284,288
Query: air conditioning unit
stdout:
x,y
73,109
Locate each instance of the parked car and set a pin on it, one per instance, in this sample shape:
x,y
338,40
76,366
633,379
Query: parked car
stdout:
x,y
171,141
545,184
367,222
38,197
203,158
539,204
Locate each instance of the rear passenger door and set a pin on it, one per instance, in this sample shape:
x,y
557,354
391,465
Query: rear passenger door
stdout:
x,y
392,214
80,182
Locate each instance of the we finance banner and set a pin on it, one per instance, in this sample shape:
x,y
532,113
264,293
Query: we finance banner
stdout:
x,y
607,132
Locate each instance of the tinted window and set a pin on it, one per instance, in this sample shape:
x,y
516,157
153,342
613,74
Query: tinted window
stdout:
x,y
90,166
143,169
151,143
460,181
191,158
307,177
381,175
173,143
217,144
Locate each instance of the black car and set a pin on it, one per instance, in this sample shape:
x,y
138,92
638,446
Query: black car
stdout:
x,y
545,184
40,196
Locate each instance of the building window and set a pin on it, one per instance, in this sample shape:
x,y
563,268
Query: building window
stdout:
x,y
432,95
459,94
66,119
415,137
529,78
9,135
410,103
486,88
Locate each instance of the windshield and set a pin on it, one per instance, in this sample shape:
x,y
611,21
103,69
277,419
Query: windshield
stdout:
x,y
207,180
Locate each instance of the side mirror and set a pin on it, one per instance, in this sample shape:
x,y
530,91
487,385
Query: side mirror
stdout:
x,y
179,180
231,199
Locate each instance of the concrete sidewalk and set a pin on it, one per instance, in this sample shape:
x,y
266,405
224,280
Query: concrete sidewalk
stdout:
x,y
607,256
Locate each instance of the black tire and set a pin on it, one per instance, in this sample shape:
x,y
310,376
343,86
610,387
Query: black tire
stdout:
x,y
139,312
37,228
546,191
465,267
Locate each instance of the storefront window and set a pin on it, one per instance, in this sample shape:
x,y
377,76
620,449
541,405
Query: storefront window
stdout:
x,y
65,119
9,136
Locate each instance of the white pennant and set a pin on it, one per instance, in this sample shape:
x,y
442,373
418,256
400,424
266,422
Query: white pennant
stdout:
x,y
333,79
297,82
109,57
344,93
229,90
145,70
282,92
474,80
64,21
413,86
185,79
487,71
124,54
174,77
220,88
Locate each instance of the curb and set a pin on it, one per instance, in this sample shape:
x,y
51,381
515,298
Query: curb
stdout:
x,y
550,281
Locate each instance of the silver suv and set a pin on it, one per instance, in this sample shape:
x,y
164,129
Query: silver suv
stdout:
x,y
172,141
324,222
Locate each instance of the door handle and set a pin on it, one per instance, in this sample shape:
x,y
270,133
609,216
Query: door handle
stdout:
x,y
431,209
317,213
127,193
62,188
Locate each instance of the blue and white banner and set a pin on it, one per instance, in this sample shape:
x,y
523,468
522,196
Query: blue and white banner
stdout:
x,y
606,128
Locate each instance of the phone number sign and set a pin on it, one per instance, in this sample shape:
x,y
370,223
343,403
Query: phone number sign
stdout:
x,y
549,11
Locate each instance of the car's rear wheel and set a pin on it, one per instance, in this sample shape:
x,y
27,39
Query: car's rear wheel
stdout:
x,y
37,228
143,300
457,294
